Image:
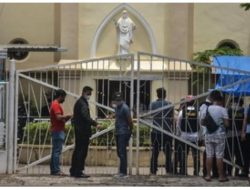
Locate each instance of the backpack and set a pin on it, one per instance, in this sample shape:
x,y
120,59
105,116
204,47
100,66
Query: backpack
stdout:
x,y
189,122
209,123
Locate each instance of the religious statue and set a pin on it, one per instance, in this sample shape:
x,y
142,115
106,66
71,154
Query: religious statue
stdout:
x,y
125,27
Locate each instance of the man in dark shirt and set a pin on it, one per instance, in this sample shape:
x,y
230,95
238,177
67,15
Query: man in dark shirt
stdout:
x,y
82,123
123,130
162,119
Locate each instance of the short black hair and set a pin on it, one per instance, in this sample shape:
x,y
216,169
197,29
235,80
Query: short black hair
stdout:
x,y
117,96
216,95
161,93
60,92
87,88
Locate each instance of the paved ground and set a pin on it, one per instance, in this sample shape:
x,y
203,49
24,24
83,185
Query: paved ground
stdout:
x,y
103,176
109,180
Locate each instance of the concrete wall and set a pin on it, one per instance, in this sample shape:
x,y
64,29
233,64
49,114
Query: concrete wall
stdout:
x,y
216,22
32,22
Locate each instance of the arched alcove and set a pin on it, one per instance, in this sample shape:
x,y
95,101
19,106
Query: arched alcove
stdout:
x,y
115,13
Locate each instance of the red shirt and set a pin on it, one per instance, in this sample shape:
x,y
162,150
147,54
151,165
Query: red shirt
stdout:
x,y
55,109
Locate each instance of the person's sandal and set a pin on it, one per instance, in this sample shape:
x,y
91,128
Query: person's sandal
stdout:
x,y
208,179
223,180
60,174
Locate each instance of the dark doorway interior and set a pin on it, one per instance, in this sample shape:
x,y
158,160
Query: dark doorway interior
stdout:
x,y
106,89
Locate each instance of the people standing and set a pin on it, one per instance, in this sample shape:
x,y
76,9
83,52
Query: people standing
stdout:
x,y
188,125
82,123
245,138
58,120
234,145
203,107
163,120
123,131
215,141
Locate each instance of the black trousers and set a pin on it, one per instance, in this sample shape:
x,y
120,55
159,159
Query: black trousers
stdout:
x,y
177,156
232,151
246,154
79,155
122,142
184,155
159,140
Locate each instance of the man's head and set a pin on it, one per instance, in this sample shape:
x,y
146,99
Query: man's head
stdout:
x,y
87,92
117,98
190,100
60,95
161,93
216,96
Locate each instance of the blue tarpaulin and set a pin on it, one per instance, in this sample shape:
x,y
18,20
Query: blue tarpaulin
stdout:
x,y
227,77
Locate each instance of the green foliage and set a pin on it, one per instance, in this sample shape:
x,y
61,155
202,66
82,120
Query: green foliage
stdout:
x,y
39,133
206,55
245,6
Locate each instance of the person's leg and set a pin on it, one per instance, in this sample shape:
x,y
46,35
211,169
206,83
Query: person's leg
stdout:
x,y
228,155
85,148
183,159
155,153
57,144
204,164
209,159
214,168
219,151
209,162
219,162
77,157
177,156
196,160
247,154
167,149
238,154
123,141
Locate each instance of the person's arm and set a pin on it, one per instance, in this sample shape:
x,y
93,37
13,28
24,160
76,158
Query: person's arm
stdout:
x,y
84,112
225,118
244,127
129,118
226,122
178,124
61,117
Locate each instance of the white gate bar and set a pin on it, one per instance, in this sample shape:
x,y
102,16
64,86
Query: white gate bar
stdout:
x,y
65,149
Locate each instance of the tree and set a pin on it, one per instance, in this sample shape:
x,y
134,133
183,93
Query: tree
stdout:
x,y
245,6
205,56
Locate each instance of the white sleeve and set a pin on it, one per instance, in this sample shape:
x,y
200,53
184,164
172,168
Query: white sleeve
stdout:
x,y
225,114
178,124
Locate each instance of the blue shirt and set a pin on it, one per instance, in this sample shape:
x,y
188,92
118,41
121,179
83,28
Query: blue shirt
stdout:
x,y
122,114
164,118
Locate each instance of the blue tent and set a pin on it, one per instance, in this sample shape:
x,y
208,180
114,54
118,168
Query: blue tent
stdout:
x,y
240,66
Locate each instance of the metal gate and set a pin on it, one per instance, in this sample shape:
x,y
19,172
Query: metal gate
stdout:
x,y
137,78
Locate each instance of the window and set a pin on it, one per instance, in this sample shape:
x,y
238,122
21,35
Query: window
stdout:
x,y
18,55
228,43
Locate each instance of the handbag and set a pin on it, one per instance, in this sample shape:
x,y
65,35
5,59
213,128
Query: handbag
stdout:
x,y
209,123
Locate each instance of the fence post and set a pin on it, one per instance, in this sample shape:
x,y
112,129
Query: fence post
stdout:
x,y
11,137
138,114
132,114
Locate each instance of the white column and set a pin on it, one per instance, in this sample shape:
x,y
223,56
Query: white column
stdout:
x,y
10,127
